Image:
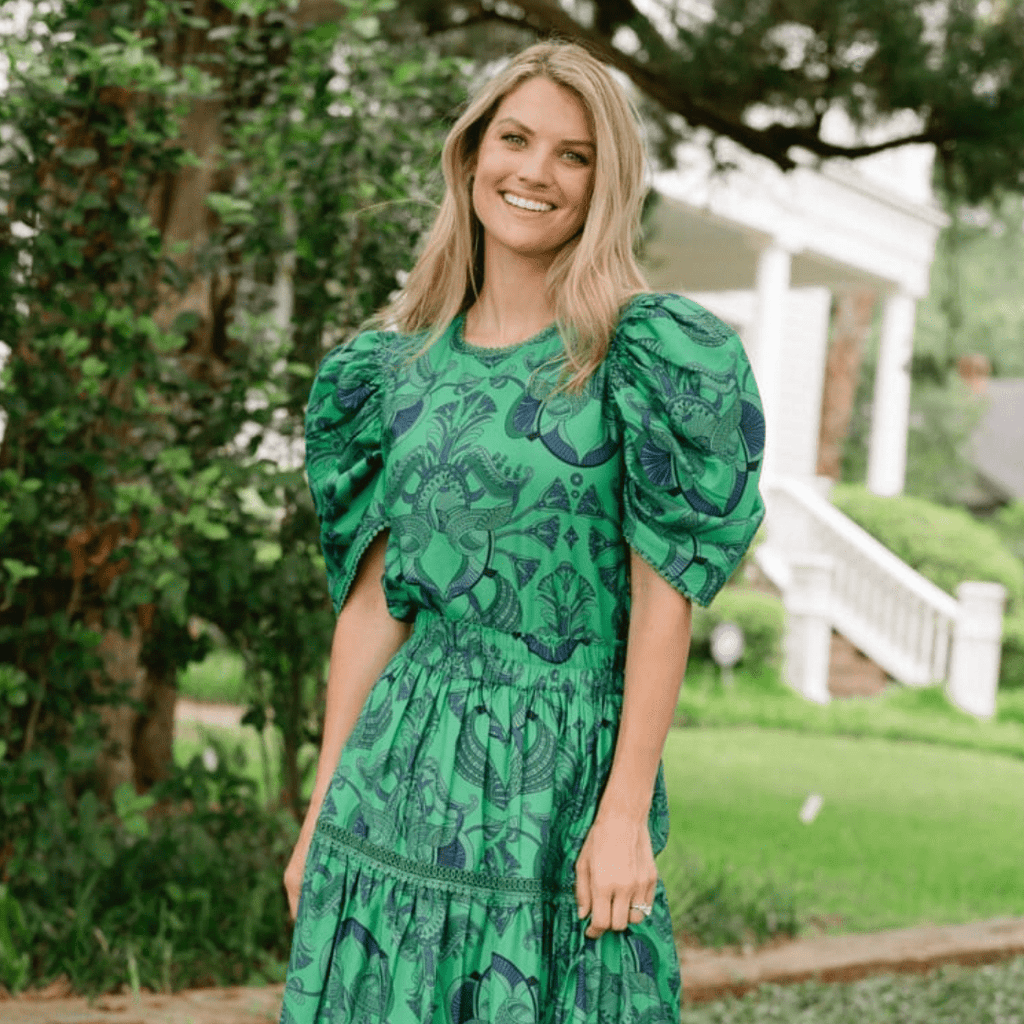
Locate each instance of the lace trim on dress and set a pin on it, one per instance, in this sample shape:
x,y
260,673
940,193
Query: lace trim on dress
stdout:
x,y
453,880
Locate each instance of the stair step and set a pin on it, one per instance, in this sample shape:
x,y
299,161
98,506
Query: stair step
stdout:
x,y
851,673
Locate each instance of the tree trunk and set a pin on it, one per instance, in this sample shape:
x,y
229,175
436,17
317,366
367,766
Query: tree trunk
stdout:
x,y
852,312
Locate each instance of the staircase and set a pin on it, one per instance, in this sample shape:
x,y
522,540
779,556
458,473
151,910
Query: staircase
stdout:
x,y
834,576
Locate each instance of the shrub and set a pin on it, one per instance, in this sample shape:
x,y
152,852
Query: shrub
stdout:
x,y
1009,522
760,616
179,893
1011,666
946,545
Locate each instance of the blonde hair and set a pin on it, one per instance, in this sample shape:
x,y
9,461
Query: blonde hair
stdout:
x,y
595,273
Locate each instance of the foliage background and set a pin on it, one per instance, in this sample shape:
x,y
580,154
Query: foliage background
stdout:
x,y
147,473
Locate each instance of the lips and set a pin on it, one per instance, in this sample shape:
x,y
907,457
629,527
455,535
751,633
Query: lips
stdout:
x,y
521,203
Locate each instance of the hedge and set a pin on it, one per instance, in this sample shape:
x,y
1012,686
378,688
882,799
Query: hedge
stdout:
x,y
1011,665
760,616
946,545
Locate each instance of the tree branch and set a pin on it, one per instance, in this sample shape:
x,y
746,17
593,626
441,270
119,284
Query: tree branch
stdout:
x,y
773,142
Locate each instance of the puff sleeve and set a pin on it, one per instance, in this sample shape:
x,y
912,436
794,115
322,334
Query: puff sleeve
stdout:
x,y
344,462
692,432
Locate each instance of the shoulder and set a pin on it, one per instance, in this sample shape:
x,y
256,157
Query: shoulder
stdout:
x,y
671,326
360,353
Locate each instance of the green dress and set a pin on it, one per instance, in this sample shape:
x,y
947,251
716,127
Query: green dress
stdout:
x,y
439,885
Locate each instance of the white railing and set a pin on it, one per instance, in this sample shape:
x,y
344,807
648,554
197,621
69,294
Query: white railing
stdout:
x,y
899,619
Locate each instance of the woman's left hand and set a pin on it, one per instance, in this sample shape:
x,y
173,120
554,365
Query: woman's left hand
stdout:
x,y
614,869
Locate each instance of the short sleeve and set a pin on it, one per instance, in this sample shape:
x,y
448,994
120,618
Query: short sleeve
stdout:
x,y
692,430
344,462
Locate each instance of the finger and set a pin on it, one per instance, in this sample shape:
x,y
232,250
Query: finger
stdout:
x,y
582,889
651,891
600,913
638,916
620,910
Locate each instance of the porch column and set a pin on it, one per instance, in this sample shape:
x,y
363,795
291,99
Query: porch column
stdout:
x,y
887,455
772,285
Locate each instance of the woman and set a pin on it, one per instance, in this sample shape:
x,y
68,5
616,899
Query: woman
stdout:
x,y
522,485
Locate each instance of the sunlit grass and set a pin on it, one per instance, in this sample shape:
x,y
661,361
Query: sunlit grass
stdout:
x,y
908,832
218,678
898,713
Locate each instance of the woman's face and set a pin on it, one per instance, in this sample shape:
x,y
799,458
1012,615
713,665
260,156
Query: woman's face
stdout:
x,y
534,171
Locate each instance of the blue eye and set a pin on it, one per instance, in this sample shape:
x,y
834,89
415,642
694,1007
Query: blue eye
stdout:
x,y
512,137
577,157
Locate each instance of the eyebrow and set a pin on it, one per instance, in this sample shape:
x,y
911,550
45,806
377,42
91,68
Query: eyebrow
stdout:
x,y
529,131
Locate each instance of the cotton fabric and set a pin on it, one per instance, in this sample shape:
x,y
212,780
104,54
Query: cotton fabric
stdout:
x,y
439,886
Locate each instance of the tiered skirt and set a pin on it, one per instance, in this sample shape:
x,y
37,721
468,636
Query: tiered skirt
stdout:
x,y
439,885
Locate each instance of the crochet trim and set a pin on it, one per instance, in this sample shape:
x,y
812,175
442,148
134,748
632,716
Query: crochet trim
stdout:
x,y
454,880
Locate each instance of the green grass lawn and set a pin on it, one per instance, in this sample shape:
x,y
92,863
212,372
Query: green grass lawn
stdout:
x,y
908,832
898,713
218,678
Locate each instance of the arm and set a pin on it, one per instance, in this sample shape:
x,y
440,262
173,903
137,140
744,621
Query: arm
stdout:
x,y
366,637
616,864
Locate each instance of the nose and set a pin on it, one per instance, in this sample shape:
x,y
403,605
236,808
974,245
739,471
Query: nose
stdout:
x,y
535,167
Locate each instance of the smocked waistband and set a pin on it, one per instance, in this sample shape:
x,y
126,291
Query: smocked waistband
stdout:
x,y
483,650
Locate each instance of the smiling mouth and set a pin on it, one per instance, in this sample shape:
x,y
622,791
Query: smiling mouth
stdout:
x,y
525,204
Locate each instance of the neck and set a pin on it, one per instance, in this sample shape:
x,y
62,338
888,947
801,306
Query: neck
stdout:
x,y
513,304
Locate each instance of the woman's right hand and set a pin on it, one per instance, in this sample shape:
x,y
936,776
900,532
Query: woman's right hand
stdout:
x,y
294,871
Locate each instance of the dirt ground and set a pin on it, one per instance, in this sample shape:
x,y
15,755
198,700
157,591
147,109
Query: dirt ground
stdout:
x,y
707,974
235,1005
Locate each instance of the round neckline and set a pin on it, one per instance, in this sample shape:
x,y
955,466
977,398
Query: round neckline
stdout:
x,y
459,343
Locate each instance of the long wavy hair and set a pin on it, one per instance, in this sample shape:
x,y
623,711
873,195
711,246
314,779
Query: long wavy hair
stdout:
x,y
594,274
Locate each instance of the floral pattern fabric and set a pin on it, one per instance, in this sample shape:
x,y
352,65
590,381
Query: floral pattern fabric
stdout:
x,y
439,886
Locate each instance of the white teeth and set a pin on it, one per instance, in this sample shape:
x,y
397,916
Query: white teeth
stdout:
x,y
525,204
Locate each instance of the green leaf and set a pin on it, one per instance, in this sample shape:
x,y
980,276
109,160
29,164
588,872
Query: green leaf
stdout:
x,y
406,71
212,531
13,686
176,460
80,157
168,342
130,808
18,570
231,209
14,964
72,344
93,367
268,552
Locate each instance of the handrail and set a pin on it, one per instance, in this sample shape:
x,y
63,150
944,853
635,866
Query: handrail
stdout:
x,y
873,549
898,618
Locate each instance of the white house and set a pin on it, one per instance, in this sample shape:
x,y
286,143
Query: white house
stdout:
x,y
765,250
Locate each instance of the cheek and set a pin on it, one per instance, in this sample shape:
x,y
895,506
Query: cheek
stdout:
x,y
583,202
